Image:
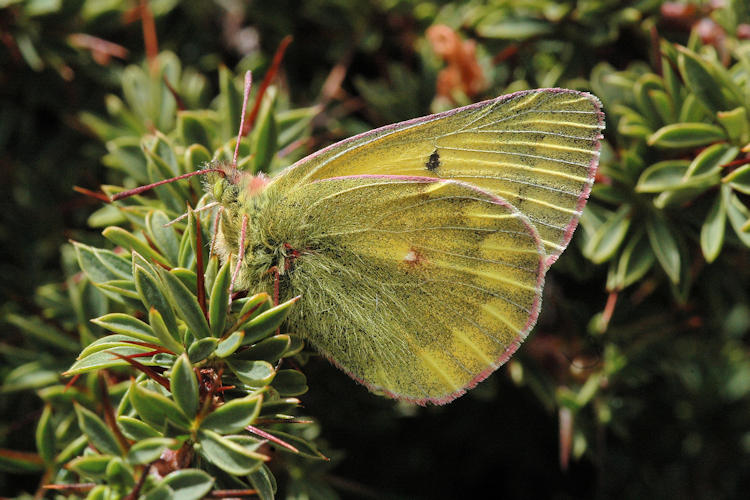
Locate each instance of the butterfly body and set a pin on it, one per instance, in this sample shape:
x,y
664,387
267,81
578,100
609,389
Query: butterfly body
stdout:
x,y
419,250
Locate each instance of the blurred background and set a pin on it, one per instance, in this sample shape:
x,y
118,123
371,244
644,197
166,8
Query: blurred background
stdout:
x,y
634,384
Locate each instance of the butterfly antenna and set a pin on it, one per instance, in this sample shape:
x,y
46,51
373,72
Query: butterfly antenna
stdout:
x,y
183,216
141,189
240,256
245,98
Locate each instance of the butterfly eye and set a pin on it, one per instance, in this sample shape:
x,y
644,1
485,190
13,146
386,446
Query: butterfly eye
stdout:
x,y
218,190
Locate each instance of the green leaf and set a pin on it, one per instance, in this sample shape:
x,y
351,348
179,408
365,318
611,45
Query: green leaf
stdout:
x,y
184,386
711,159
265,323
736,123
93,466
279,406
265,133
166,338
304,448
135,429
37,329
21,462
126,325
228,455
739,179
635,261
125,239
45,436
513,28
196,157
609,236
713,229
662,176
271,349
152,296
737,213
155,408
97,431
686,135
229,345
101,265
109,342
74,448
252,373
209,275
290,383
161,492
664,245
701,80
150,449
107,359
263,482
189,484
187,305
119,473
194,129
234,415
296,344
219,301
201,349
164,237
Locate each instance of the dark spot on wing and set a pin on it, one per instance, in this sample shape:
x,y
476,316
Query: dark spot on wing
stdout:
x,y
433,162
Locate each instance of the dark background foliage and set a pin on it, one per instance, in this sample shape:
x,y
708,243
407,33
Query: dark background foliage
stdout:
x,y
654,374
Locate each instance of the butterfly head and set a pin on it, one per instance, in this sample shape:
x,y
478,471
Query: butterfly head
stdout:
x,y
229,185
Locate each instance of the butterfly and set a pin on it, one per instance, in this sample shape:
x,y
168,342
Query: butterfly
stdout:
x,y
419,249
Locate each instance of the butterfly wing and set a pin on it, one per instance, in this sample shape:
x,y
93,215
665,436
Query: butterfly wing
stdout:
x,y
537,149
416,287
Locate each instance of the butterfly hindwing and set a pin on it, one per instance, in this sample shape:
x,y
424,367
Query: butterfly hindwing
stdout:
x,y
537,149
416,287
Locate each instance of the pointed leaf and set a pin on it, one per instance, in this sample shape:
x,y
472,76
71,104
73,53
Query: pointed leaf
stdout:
x,y
97,431
290,383
271,349
263,482
229,345
187,305
227,455
739,179
664,245
202,349
662,176
45,436
135,429
713,229
152,296
127,240
126,324
150,449
164,237
184,386
265,323
165,337
252,373
189,484
155,408
686,135
737,213
234,415
219,302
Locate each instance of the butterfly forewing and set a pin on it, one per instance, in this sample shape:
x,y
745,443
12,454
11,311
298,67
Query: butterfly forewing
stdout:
x,y
536,149
422,291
